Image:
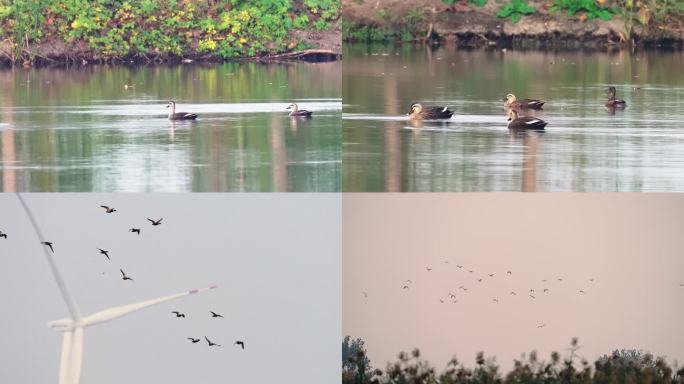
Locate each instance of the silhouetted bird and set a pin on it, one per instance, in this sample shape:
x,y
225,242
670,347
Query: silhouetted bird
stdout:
x,y
214,314
459,266
106,253
108,209
531,290
193,340
441,301
210,343
240,343
592,279
509,272
452,295
532,296
544,281
123,275
365,294
49,244
479,280
155,223
470,271
409,281
135,230
546,289
541,326
495,300
404,287
559,279
581,291
178,314
3,235
513,293
491,275
428,269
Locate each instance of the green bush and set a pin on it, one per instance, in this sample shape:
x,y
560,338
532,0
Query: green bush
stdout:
x,y
115,28
515,10
592,10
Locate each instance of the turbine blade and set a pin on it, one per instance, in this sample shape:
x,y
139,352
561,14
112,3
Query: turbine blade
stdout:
x,y
68,298
66,357
76,356
116,312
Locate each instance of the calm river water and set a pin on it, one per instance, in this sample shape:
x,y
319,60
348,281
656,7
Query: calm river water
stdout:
x,y
584,148
105,129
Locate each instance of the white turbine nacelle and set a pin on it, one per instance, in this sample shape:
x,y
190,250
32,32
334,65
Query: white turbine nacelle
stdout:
x,y
62,325
72,340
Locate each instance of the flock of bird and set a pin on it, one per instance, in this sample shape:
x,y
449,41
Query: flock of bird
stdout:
x,y
173,115
125,277
477,279
512,106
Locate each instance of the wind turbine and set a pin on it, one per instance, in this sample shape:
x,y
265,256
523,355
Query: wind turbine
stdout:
x,y
73,326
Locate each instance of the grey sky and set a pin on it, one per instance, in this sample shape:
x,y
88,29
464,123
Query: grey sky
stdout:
x,y
276,258
630,243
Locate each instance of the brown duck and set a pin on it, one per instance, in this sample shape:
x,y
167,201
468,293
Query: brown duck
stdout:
x,y
612,101
417,112
524,122
513,102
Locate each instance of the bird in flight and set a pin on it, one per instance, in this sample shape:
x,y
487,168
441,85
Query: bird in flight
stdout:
x,y
155,223
210,343
3,235
531,290
178,314
452,295
459,266
592,279
365,294
446,261
428,269
513,293
544,281
495,300
106,253
532,296
581,291
241,343
214,314
470,271
108,209
135,230
546,290
49,244
491,275
441,301
193,340
479,280
405,287
409,282
560,279
509,272
541,326
123,275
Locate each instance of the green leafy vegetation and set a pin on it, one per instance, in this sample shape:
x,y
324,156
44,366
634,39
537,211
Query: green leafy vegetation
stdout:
x,y
515,9
161,28
589,7
621,366
479,3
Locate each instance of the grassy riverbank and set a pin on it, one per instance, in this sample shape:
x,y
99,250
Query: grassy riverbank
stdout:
x,y
44,31
518,23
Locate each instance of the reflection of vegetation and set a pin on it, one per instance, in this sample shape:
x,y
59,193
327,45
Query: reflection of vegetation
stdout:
x,y
116,29
516,9
405,27
626,366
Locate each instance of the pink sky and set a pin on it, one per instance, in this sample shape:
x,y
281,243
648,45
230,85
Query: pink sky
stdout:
x,y
630,243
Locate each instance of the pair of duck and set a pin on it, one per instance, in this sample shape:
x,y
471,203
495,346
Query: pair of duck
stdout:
x,y
173,115
514,121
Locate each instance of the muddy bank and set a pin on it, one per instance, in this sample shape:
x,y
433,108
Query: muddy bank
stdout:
x,y
470,26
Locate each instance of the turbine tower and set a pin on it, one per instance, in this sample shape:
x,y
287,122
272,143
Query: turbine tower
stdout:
x,y
73,326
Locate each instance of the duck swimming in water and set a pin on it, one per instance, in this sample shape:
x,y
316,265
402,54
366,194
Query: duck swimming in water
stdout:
x,y
612,102
512,102
429,113
524,122
296,112
173,115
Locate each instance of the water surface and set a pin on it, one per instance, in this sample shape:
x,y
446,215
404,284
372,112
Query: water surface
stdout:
x,y
585,146
105,129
